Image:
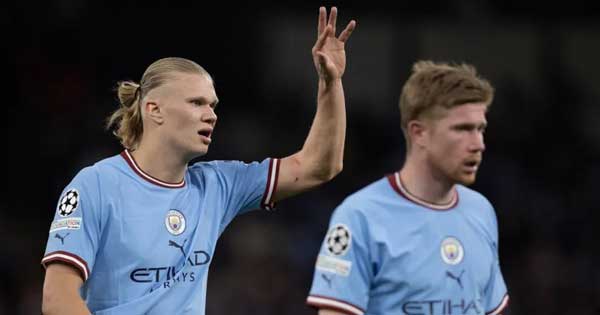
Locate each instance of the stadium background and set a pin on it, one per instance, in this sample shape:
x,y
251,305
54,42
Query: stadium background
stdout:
x,y
540,170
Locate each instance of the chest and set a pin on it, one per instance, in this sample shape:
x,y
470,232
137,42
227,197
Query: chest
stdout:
x,y
161,229
450,257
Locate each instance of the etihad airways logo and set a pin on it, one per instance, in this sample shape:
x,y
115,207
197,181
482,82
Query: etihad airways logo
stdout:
x,y
167,276
443,307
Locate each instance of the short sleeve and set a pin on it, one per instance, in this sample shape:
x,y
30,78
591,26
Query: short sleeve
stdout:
x,y
342,274
75,231
496,295
248,186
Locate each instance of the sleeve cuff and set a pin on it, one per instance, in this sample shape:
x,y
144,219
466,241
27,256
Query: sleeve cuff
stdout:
x,y
500,307
323,302
267,202
70,259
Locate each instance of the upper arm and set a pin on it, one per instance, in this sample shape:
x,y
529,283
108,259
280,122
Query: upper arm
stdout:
x,y
60,276
330,312
242,186
294,177
343,275
61,290
496,293
75,232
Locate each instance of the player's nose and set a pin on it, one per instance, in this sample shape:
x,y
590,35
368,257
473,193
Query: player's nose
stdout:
x,y
477,143
210,116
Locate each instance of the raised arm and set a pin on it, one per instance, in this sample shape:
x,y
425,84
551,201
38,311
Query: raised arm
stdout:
x,y
321,156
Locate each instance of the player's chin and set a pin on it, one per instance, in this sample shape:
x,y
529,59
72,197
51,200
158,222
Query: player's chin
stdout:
x,y
200,151
466,178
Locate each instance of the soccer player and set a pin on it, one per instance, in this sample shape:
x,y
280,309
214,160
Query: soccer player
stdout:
x,y
418,242
135,233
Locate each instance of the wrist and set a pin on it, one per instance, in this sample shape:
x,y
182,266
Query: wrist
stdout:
x,y
330,81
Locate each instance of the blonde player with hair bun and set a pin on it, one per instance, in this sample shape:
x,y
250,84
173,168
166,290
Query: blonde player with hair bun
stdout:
x,y
135,233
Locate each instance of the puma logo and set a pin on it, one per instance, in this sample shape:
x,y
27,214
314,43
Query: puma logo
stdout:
x,y
61,238
458,280
327,279
174,244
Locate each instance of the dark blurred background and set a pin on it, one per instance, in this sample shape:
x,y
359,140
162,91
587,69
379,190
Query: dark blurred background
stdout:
x,y
541,168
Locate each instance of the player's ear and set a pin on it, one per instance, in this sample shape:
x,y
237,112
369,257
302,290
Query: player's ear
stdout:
x,y
417,131
152,110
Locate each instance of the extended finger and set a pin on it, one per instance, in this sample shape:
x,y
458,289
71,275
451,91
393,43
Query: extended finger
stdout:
x,y
332,18
321,40
347,31
322,20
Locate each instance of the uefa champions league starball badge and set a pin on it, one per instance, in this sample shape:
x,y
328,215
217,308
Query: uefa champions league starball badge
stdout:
x,y
175,222
68,203
338,240
452,251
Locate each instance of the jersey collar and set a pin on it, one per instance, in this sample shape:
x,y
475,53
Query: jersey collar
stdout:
x,y
396,183
131,161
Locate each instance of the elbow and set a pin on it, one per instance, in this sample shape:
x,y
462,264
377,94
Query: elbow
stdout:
x,y
330,173
336,170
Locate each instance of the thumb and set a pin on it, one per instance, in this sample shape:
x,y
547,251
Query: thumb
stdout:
x,y
323,59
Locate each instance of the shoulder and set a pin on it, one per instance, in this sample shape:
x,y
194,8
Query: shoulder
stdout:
x,y
217,165
106,172
474,198
478,205
364,202
108,169
226,167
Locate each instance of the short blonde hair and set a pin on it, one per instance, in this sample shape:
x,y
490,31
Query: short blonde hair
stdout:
x,y
432,85
127,119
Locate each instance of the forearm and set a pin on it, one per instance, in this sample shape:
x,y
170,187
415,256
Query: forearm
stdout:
x,y
323,151
64,304
321,157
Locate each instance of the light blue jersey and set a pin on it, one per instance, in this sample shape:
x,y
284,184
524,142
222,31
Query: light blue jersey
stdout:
x,y
144,246
387,252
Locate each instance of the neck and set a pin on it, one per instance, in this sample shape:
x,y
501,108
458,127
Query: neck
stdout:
x,y
159,161
422,182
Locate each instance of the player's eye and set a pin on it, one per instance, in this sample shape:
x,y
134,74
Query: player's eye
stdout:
x,y
464,127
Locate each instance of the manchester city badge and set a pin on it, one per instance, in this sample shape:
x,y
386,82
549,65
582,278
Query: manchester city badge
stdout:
x,y
175,222
452,251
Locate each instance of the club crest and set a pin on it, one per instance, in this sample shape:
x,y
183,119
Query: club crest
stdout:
x,y
452,251
175,222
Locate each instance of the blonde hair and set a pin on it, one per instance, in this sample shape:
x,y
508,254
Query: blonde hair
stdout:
x,y
434,85
127,119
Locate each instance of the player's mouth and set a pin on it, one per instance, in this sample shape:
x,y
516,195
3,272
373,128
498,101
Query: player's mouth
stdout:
x,y
471,166
205,134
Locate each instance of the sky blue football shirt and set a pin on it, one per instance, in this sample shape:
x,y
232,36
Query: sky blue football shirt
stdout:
x,y
143,246
387,252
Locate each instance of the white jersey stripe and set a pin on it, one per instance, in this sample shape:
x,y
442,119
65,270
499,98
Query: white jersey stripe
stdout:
x,y
335,304
67,258
416,200
272,177
500,307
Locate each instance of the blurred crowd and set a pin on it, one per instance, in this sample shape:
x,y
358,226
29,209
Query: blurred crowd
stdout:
x,y
540,169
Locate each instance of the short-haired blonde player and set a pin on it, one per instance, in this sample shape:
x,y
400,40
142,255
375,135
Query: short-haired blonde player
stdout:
x,y
135,233
418,241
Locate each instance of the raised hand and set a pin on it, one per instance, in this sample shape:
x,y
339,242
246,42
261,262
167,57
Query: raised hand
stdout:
x,y
328,52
